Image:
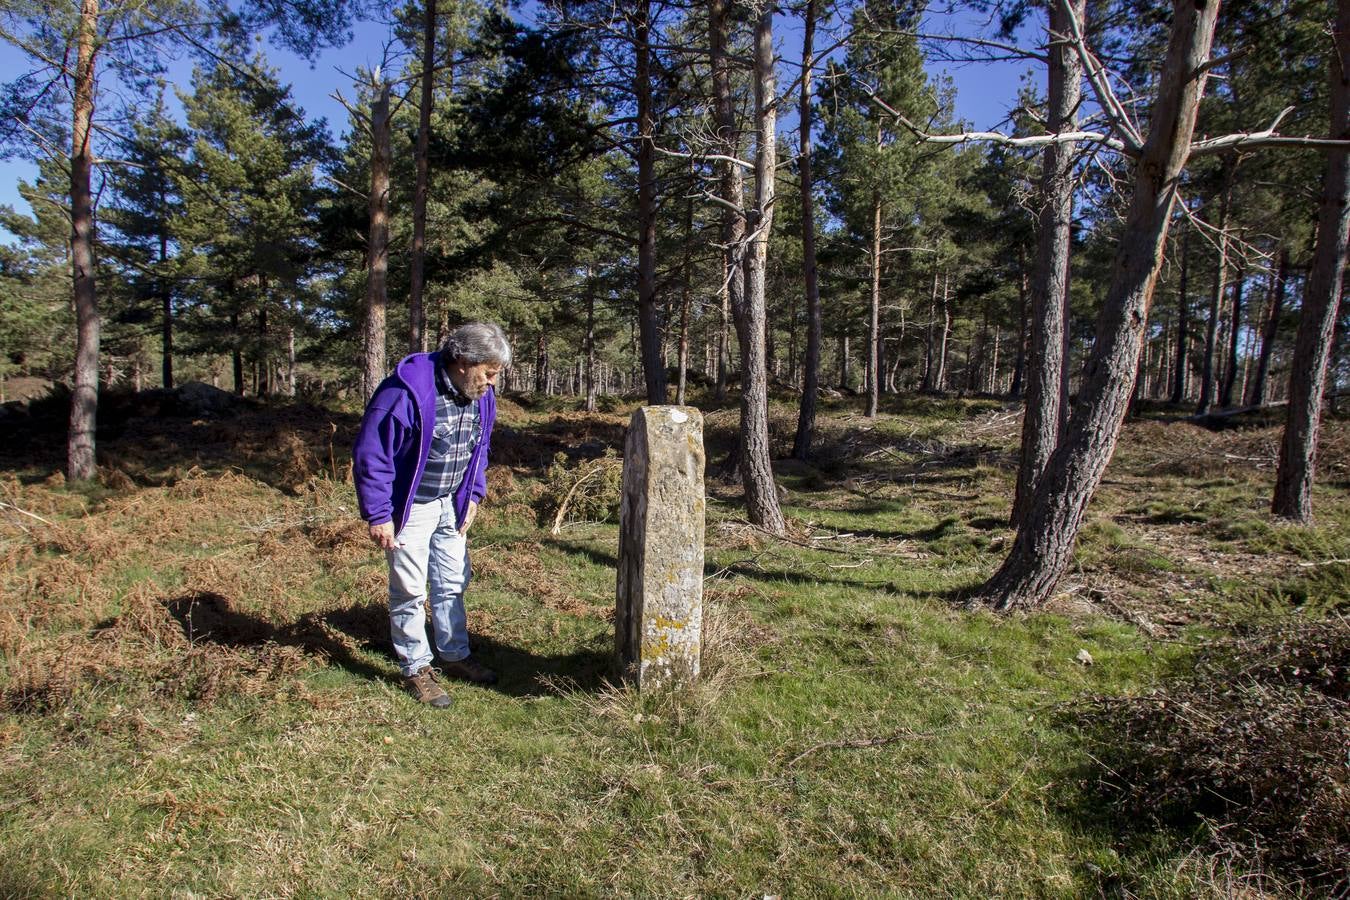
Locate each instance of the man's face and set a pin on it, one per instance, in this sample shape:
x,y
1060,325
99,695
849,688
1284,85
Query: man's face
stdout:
x,y
474,379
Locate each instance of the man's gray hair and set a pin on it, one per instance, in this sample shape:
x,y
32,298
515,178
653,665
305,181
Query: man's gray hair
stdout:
x,y
478,342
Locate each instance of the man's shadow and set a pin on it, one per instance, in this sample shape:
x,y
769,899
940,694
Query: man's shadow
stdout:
x,y
349,636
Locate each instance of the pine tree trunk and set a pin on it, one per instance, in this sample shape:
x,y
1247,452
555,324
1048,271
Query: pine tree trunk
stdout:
x,y
166,314
1321,302
1044,544
653,365
1019,363
590,341
262,380
761,494
1183,321
844,373
1256,395
236,350
730,186
806,415
377,258
929,369
290,361
1047,404
874,311
1234,334
541,366
723,326
940,379
80,459
417,340
1216,299
683,362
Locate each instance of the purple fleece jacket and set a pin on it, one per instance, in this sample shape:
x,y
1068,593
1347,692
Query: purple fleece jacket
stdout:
x,y
391,447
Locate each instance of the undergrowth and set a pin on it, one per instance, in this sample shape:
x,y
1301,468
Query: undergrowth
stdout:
x,y
197,694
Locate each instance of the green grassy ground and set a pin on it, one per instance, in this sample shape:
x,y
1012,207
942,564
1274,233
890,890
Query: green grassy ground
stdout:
x,y
856,732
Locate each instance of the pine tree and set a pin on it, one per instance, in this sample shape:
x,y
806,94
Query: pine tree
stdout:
x,y
249,209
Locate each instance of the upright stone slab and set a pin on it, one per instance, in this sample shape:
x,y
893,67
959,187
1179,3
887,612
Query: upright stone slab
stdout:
x,y
659,621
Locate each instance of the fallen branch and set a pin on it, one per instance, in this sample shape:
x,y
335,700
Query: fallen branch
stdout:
x,y
562,507
25,512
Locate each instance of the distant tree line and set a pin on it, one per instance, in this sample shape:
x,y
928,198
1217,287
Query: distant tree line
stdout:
x,y
651,201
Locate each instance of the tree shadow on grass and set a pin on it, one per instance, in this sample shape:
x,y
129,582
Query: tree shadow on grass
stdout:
x,y
348,636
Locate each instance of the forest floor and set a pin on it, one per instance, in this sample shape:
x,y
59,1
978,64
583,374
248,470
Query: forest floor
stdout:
x,y
197,697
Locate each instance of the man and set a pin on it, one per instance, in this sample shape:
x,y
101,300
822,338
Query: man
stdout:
x,y
420,466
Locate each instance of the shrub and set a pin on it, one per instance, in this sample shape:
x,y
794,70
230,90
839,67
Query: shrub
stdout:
x,y
1253,742
586,492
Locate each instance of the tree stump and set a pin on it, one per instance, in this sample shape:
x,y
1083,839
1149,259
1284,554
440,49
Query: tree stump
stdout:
x,y
659,616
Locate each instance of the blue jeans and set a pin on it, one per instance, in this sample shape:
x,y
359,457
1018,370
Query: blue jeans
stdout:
x,y
429,545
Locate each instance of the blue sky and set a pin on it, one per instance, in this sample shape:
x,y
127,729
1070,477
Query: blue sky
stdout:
x,y
985,91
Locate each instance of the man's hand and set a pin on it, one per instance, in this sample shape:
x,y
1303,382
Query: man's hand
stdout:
x,y
469,516
383,536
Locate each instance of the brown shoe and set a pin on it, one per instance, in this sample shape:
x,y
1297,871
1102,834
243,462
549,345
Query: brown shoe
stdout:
x,y
469,669
423,686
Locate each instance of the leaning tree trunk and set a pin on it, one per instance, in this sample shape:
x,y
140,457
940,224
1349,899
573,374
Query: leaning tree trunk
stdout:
x,y
761,494
649,326
1047,406
1183,320
417,321
1044,543
806,416
1321,302
1256,394
80,462
377,256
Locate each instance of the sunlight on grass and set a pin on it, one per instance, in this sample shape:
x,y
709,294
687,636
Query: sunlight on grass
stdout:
x,y
199,697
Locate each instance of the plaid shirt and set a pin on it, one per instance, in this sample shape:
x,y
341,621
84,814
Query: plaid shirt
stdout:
x,y
457,432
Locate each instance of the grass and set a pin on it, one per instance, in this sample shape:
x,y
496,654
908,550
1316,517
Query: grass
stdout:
x,y
856,733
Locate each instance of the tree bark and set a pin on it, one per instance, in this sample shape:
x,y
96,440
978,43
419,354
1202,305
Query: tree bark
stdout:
x,y
649,326
377,255
1256,396
761,494
1047,404
806,416
1183,319
80,458
1044,543
1321,302
417,341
